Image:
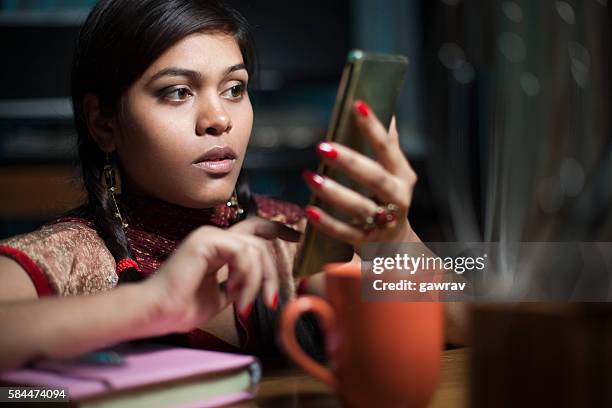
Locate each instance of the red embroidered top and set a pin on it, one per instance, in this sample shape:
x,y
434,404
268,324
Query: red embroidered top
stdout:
x,y
68,257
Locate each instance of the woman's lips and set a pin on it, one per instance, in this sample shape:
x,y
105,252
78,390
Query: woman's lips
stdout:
x,y
222,166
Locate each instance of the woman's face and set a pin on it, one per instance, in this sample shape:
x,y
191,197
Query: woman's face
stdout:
x,y
186,123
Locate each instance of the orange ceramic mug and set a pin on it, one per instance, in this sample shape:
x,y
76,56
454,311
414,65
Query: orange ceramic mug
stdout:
x,y
382,353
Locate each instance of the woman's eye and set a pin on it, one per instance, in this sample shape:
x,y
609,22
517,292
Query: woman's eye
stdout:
x,y
236,91
177,94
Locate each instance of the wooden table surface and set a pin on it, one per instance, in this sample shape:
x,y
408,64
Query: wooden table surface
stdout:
x,y
292,387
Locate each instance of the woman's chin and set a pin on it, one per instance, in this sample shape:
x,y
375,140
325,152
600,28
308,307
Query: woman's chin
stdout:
x,y
210,198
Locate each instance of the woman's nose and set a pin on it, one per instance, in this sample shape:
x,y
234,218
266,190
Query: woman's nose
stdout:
x,y
213,119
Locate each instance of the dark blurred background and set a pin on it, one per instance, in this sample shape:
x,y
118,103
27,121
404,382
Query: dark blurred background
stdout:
x,y
504,114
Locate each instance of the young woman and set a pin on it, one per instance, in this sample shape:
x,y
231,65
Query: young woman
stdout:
x,y
159,90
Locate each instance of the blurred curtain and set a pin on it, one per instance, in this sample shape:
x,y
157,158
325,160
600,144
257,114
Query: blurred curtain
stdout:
x,y
518,118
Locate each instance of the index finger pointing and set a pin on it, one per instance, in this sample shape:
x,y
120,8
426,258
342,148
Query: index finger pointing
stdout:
x,y
266,229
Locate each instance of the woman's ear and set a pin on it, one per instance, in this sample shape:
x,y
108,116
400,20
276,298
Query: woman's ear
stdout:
x,y
101,127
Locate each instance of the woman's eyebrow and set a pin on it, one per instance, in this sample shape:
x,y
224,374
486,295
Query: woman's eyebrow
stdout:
x,y
194,75
233,68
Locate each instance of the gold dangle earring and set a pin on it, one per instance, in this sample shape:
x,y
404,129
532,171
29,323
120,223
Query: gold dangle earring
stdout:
x,y
112,181
233,203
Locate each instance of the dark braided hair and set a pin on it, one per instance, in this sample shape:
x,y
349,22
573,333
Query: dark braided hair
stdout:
x,y
117,43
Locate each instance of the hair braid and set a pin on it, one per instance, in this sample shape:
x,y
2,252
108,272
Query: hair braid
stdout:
x,y
100,208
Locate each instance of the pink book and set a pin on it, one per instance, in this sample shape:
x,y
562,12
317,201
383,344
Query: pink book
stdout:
x,y
150,376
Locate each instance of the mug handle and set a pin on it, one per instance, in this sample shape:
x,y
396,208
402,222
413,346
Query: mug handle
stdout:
x,y
291,312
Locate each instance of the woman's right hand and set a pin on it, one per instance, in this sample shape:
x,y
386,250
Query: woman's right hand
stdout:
x,y
187,290
183,294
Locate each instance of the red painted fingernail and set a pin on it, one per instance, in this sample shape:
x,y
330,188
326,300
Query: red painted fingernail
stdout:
x,y
313,214
275,301
362,108
246,311
327,150
313,179
301,289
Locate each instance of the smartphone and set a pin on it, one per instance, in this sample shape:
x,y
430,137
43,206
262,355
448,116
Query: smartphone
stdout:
x,y
376,79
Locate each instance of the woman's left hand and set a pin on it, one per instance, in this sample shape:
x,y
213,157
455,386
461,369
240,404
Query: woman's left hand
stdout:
x,y
390,179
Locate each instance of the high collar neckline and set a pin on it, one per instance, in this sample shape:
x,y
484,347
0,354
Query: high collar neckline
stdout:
x,y
169,220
